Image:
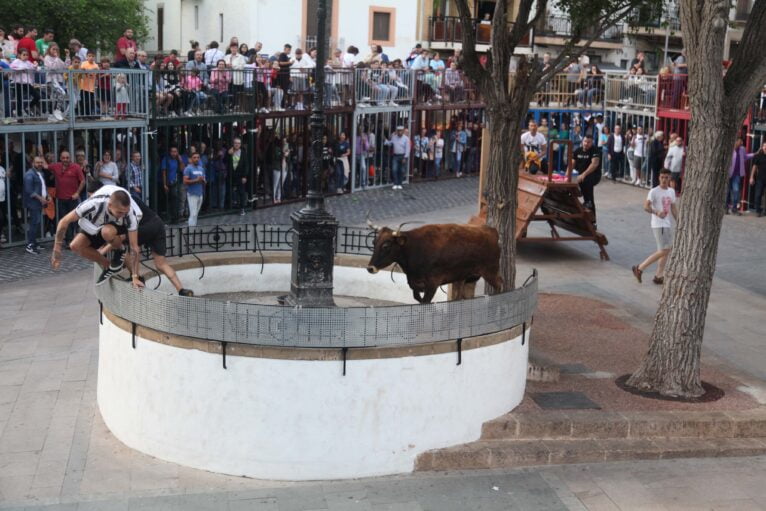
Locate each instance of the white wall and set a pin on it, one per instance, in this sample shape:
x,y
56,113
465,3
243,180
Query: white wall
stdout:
x,y
354,21
274,23
300,420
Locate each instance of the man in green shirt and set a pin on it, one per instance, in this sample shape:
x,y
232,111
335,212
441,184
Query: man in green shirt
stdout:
x,y
44,42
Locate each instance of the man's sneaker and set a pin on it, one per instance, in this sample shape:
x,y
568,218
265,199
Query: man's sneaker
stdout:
x,y
106,275
31,249
118,260
186,292
58,115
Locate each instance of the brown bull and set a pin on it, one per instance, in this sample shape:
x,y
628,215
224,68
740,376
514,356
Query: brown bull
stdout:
x,y
439,254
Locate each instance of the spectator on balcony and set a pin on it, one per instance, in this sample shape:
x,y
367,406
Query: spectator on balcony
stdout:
x,y
455,58
213,55
574,75
420,62
679,79
415,53
194,95
487,19
284,62
104,84
437,64
86,83
337,58
256,49
235,41
130,61
123,43
299,77
141,57
616,153
593,87
23,77
121,96
44,43
173,57
236,62
194,49
220,78
453,83
55,82
198,62
638,64
76,48
28,43
349,58
374,55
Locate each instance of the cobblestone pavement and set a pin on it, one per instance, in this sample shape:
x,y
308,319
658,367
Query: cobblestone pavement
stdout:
x,y
349,209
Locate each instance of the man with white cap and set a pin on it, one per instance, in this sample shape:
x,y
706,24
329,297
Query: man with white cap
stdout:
x,y
401,146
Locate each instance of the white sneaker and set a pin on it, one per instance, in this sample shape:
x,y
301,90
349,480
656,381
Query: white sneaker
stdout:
x,y
58,115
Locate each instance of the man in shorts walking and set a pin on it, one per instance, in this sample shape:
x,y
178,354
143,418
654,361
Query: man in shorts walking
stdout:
x,y
660,203
108,219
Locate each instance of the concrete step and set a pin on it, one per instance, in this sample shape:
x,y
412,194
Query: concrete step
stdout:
x,y
552,425
487,454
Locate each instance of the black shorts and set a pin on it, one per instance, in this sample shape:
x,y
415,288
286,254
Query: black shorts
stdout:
x,y
97,241
151,234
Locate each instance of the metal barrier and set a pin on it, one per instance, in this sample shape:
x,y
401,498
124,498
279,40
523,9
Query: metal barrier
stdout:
x,y
631,92
377,86
572,90
448,87
72,95
320,327
671,92
561,26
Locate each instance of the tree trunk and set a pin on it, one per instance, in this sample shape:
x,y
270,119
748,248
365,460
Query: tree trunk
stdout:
x,y
672,365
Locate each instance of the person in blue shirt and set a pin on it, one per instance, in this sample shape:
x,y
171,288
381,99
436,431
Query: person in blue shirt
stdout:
x,y
194,179
171,170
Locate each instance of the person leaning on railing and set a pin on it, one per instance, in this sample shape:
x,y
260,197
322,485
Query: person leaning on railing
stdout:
x,y
54,79
24,82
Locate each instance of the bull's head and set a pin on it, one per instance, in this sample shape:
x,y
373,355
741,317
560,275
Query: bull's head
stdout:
x,y
388,249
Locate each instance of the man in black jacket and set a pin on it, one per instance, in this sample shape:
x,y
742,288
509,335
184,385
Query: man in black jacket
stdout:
x,y
656,157
236,164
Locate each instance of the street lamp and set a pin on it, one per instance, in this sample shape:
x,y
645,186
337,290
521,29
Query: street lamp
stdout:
x,y
314,229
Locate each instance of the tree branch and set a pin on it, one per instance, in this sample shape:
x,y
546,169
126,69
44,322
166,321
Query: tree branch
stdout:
x,y
747,73
470,62
522,24
572,50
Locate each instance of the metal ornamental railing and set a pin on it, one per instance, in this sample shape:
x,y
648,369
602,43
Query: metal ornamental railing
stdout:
x,y
321,327
631,92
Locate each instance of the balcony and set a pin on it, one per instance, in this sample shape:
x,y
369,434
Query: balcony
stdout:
x,y
570,91
448,29
443,89
242,92
555,25
376,87
631,93
73,97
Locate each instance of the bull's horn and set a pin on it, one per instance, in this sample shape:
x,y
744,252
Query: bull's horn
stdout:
x,y
399,229
370,224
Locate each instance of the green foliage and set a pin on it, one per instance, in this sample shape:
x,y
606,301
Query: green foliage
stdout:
x,y
587,13
96,23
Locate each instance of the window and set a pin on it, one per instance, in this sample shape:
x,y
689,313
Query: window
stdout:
x,y
382,24
220,26
196,17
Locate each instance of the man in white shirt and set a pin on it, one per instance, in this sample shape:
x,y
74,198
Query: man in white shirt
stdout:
x,y
639,151
213,55
299,76
660,203
533,142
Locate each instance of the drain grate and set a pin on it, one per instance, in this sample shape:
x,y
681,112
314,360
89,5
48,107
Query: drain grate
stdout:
x,y
564,401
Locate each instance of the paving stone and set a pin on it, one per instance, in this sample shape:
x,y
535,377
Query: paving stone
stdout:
x,y
574,451
598,424
549,424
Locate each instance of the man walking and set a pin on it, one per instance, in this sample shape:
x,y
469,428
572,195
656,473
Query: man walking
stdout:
x,y
586,160
400,144
35,199
758,178
194,179
70,182
660,203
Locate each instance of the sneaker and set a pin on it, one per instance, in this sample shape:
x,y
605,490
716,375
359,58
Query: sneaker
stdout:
x,y
242,212
106,275
118,259
186,292
637,273
31,249
58,115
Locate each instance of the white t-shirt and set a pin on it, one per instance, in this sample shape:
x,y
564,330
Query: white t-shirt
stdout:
x,y
599,129
438,145
618,143
534,142
661,201
639,141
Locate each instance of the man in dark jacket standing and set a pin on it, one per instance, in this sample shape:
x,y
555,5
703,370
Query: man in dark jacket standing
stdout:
x,y
616,146
236,164
35,199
